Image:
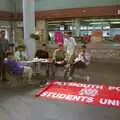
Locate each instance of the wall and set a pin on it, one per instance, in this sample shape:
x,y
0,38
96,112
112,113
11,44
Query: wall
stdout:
x,y
5,5
18,4
11,5
62,4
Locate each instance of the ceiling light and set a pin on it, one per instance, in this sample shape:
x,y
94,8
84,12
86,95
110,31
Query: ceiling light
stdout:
x,y
115,22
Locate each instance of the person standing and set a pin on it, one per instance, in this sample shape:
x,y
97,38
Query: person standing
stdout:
x,y
69,43
4,46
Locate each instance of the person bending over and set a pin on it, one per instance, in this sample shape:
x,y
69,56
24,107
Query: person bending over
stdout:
x,y
80,59
16,67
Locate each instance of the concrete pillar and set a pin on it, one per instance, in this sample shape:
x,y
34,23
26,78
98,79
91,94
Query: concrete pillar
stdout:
x,y
18,37
29,25
76,27
41,27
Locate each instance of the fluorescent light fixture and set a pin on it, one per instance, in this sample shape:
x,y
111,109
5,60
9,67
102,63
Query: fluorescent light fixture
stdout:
x,y
61,27
106,27
71,28
96,23
117,22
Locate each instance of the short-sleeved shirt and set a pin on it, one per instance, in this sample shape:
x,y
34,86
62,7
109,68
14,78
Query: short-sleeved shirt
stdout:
x,y
20,55
59,55
42,54
69,45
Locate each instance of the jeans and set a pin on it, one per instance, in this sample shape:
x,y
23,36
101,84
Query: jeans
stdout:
x,y
69,70
54,67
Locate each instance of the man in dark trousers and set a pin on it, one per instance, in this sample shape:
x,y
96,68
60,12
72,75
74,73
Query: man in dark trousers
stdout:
x,y
4,46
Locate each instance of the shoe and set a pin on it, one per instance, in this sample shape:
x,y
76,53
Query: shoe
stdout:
x,y
5,80
47,83
88,78
70,78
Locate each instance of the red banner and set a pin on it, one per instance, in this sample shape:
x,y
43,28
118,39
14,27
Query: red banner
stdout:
x,y
101,95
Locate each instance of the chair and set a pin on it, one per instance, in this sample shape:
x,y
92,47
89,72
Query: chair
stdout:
x,y
15,77
58,70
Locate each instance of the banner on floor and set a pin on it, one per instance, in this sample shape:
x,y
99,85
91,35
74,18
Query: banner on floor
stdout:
x,y
101,95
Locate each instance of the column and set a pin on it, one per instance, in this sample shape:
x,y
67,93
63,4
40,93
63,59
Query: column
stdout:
x,y
41,27
29,25
76,27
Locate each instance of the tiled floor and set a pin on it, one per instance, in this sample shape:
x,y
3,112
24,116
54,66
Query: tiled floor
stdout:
x,y
18,104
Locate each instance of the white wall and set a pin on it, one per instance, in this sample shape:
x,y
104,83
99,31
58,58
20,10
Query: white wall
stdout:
x,y
62,4
5,5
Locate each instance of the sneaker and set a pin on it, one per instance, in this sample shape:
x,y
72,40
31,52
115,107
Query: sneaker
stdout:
x,y
5,80
88,78
47,83
70,78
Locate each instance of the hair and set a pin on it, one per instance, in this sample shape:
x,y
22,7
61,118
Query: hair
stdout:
x,y
60,44
83,46
10,54
2,31
44,44
21,46
68,32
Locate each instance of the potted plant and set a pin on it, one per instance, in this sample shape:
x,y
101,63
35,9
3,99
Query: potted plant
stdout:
x,y
35,36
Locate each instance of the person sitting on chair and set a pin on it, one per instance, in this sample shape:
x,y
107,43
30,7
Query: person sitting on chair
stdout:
x,y
59,57
80,59
16,67
20,53
42,53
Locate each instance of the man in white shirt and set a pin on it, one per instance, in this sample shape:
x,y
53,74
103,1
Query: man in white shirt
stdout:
x,y
20,54
69,43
